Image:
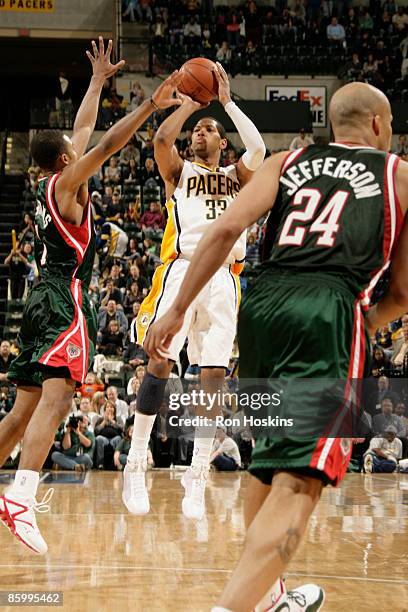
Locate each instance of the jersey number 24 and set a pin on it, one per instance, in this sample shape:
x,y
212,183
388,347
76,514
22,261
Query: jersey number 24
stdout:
x,y
326,224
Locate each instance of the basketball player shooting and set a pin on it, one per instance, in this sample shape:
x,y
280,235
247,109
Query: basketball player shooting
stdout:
x,y
58,332
197,193
304,317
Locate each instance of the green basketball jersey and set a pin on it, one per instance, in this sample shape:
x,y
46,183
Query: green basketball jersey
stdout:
x,y
336,212
62,250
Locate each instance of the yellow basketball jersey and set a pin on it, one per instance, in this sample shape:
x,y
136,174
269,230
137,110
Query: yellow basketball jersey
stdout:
x,y
201,196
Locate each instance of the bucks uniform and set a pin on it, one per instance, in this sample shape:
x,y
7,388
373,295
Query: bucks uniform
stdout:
x,y
201,195
329,238
58,332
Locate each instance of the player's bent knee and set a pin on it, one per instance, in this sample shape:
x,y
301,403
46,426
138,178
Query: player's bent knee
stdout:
x,y
151,394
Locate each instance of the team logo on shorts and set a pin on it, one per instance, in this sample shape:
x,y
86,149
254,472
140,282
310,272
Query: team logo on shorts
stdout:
x,y
145,319
345,446
73,351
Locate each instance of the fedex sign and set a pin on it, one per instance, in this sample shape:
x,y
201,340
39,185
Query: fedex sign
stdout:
x,y
316,96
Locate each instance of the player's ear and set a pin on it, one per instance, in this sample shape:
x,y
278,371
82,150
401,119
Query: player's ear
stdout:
x,y
376,124
223,144
65,159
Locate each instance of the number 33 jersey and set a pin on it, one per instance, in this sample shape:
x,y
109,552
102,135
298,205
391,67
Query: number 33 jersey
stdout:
x,y
336,212
200,197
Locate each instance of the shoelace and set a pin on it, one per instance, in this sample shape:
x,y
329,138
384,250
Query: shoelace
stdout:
x,y
43,505
297,597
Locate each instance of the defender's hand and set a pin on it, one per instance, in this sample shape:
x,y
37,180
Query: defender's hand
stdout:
x,y
224,90
161,334
101,65
163,96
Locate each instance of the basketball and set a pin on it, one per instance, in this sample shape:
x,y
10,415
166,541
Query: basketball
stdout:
x,y
199,81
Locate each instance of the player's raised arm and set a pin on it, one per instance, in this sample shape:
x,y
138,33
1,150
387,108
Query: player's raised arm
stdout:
x,y
251,203
166,155
254,155
85,120
75,174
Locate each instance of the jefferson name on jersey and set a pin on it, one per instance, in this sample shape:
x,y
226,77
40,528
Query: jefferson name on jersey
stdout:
x,y
362,181
212,183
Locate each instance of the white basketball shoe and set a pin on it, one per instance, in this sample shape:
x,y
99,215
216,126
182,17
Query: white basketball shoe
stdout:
x,y
194,481
134,494
18,515
306,598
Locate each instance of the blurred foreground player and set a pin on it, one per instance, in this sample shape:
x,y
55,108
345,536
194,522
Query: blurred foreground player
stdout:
x,y
337,219
58,332
197,193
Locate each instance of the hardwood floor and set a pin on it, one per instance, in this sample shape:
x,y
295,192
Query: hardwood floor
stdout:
x,y
105,559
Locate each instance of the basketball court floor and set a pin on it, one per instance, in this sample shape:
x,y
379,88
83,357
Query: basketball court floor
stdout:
x,y
102,558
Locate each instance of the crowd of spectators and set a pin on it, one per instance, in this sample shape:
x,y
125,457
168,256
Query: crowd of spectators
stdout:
x,y
293,36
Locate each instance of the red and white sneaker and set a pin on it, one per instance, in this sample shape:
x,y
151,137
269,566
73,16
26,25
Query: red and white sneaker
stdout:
x,y
305,598
18,515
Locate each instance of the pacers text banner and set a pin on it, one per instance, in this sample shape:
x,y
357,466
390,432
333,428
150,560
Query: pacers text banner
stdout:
x,y
28,6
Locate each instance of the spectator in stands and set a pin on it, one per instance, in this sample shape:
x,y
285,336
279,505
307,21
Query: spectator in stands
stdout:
x,y
133,295
387,417
353,70
6,357
117,276
401,412
77,446
110,292
26,229
400,20
384,452
112,312
401,345
224,56
91,385
107,197
252,22
301,141
192,31
130,8
135,276
112,340
85,409
380,364
383,337
402,145
149,173
18,270
153,218
233,28
112,172
121,407
122,449
108,433
225,456
373,404
128,153
134,356
370,69
298,12
98,402
335,32
28,253
131,173
250,59
6,399
147,151
366,21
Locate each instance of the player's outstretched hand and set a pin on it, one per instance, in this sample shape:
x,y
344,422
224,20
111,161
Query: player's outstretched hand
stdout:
x,y
100,60
161,334
163,96
224,90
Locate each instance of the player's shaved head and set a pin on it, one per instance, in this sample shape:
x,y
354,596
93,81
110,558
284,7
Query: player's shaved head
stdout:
x,y
355,104
360,113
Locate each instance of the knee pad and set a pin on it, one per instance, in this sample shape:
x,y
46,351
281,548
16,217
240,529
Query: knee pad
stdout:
x,y
151,394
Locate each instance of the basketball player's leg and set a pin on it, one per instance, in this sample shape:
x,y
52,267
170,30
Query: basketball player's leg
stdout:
x,y
165,287
18,504
272,539
14,424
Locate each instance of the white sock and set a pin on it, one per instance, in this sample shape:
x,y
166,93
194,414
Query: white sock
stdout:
x,y
142,429
275,595
25,484
203,444
220,609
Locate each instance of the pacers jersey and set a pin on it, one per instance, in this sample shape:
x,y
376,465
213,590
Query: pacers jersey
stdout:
x,y
63,251
336,212
201,196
